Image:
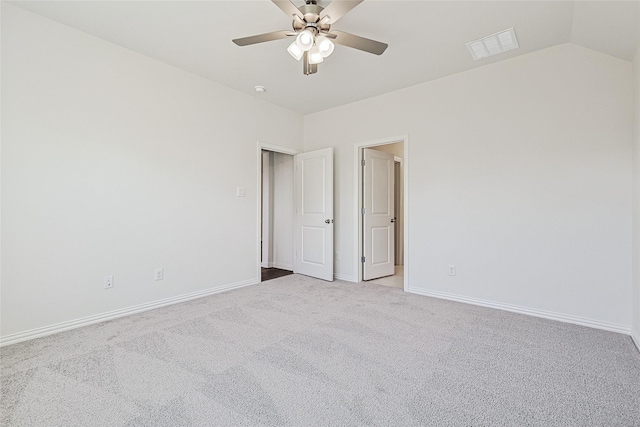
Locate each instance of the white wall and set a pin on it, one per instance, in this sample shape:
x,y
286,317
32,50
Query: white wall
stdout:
x,y
283,211
636,198
519,174
113,163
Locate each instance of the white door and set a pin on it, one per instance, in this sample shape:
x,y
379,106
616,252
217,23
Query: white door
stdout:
x,y
379,218
314,214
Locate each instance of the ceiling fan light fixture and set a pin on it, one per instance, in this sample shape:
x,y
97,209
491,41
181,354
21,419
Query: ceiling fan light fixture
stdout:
x,y
295,51
315,56
314,40
305,40
325,46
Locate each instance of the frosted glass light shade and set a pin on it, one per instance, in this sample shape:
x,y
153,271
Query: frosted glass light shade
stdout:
x,y
295,51
305,40
315,57
325,46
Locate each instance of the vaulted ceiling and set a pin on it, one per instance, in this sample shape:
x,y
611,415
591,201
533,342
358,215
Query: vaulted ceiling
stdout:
x,y
426,40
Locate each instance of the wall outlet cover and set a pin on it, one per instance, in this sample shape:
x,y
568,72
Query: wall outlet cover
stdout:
x,y
108,282
452,270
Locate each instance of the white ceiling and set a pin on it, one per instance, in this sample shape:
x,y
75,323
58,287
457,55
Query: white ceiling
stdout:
x,y
426,40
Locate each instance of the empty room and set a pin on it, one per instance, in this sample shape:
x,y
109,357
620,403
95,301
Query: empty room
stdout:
x,y
310,213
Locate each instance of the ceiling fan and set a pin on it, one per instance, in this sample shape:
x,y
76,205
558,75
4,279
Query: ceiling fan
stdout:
x,y
314,39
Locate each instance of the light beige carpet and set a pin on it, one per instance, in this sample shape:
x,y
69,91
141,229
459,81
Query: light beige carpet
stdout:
x,y
297,351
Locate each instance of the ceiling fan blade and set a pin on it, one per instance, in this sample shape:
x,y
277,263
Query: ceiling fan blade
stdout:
x,y
360,43
287,7
337,9
260,38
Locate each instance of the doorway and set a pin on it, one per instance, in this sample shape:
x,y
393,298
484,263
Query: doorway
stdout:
x,y
275,216
297,225
395,280
382,235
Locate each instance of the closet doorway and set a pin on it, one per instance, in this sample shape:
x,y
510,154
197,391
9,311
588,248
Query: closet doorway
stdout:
x,y
276,214
381,193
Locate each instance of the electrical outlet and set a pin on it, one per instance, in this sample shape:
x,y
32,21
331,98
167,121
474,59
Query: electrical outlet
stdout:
x,y
159,274
452,270
108,282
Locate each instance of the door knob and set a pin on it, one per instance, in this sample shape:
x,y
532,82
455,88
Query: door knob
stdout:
x,y
328,221
393,220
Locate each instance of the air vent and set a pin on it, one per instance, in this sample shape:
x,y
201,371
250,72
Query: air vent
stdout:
x,y
493,44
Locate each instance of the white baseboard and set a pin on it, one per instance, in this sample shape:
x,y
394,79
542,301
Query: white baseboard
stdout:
x,y
635,337
345,278
265,265
288,267
597,324
89,320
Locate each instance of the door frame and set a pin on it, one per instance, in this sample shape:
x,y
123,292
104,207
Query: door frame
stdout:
x,y
358,199
276,149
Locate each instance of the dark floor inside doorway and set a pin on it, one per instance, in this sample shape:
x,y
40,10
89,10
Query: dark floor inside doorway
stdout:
x,y
272,273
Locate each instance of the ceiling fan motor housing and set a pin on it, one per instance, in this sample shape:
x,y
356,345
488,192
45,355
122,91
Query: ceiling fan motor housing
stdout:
x,y
311,15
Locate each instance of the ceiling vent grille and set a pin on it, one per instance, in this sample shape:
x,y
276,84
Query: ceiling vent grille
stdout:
x,y
493,44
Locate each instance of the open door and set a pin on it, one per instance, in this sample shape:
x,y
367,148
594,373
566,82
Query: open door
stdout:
x,y
314,214
378,214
